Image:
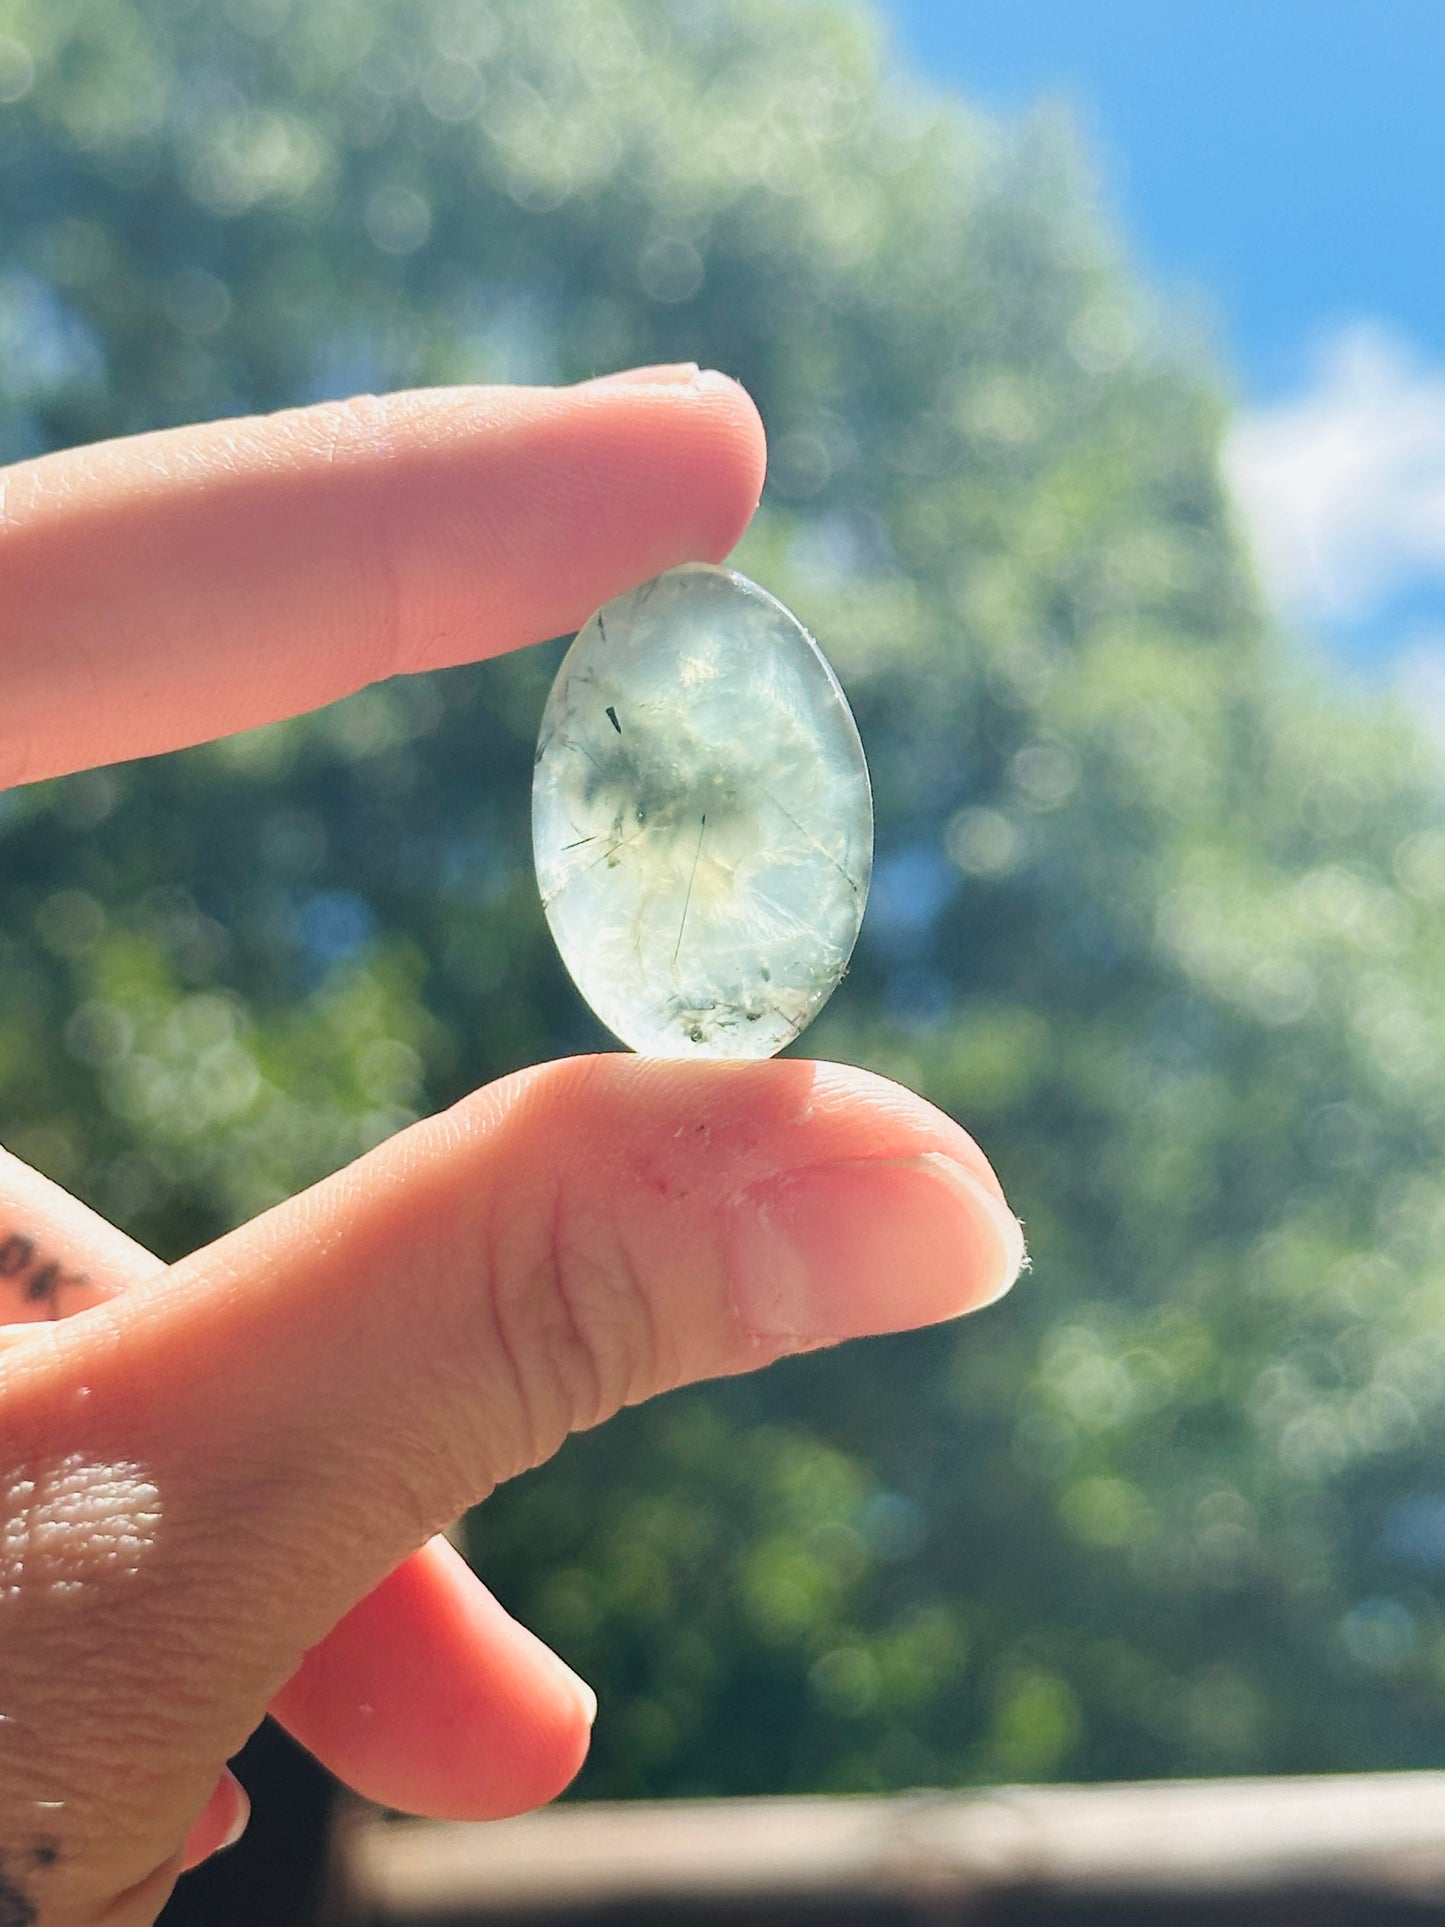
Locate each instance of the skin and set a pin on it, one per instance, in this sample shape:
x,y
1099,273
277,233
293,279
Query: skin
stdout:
x,y
223,1478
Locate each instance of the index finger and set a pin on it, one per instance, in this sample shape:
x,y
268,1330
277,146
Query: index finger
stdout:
x,y
168,588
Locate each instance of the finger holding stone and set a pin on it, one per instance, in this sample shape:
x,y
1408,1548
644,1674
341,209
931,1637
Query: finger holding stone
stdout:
x,y
256,1439
251,569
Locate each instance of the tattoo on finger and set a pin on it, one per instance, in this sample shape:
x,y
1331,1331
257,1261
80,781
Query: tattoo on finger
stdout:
x,y
35,1278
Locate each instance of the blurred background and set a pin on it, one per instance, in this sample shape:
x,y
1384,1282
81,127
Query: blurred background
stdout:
x,y
1107,463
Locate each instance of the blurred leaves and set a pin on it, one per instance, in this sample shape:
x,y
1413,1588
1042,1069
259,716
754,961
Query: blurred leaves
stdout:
x,y
1158,909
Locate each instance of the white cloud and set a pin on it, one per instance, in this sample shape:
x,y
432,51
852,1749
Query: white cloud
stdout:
x,y
1343,485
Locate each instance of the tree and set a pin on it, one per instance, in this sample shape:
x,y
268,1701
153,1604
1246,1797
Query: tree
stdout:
x,y
1157,910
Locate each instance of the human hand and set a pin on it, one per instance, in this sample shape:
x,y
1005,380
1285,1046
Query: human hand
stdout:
x,y
206,1468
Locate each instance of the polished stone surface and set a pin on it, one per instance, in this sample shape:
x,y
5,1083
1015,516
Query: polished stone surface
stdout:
x,y
701,818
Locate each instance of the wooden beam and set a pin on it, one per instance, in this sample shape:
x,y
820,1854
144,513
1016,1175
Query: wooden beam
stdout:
x,y
1380,1833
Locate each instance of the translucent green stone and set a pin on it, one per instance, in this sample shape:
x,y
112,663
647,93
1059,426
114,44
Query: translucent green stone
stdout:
x,y
701,818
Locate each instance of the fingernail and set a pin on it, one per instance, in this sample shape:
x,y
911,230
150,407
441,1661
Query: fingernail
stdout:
x,y
587,1697
221,1824
870,1245
572,1683
663,374
240,1820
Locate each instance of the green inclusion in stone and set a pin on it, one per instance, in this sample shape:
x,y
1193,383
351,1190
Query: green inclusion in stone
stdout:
x,y
701,818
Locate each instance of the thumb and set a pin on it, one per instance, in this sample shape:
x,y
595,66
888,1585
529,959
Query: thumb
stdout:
x,y
221,1466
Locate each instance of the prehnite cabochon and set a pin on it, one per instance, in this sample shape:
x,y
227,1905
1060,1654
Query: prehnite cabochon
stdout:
x,y
702,820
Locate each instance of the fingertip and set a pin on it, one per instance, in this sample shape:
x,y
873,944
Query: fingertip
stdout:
x,y
430,1698
721,431
846,1249
740,417
569,1742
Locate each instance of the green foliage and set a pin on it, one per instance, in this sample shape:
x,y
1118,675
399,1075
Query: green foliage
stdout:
x,y
1158,913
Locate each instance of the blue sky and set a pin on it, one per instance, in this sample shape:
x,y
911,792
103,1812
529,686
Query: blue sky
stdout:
x,y
1282,162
